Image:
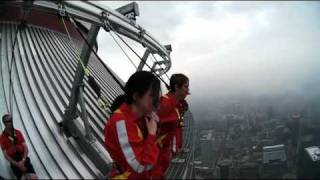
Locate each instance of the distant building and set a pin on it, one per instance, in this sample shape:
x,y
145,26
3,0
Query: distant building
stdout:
x,y
274,153
274,161
313,153
295,129
309,163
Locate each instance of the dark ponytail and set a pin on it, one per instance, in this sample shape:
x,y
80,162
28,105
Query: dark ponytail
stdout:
x,y
117,102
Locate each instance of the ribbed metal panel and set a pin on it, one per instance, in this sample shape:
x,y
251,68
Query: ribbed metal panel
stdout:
x,y
43,72
185,170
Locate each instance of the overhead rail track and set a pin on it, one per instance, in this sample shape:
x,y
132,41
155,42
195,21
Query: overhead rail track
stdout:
x,y
97,15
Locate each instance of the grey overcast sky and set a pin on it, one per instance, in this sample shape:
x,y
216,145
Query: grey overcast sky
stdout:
x,y
230,48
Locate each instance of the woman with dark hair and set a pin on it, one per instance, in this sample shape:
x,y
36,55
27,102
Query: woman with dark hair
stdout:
x,y
130,133
15,150
171,112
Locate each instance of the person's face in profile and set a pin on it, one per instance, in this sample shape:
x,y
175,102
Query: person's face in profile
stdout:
x,y
183,91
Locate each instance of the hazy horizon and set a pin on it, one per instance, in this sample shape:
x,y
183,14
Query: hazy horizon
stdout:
x,y
231,50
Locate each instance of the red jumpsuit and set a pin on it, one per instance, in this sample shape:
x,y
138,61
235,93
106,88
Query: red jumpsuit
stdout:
x,y
170,131
7,145
130,146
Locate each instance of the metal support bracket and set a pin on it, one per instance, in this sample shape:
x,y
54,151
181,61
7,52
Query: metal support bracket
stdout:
x,y
84,116
61,9
71,110
105,21
130,11
142,32
72,125
143,60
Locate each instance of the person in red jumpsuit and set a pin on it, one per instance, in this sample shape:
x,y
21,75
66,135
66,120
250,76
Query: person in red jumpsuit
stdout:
x,y
15,150
171,111
130,133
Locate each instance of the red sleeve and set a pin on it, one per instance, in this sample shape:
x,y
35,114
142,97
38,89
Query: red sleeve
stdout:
x,y
141,154
20,136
